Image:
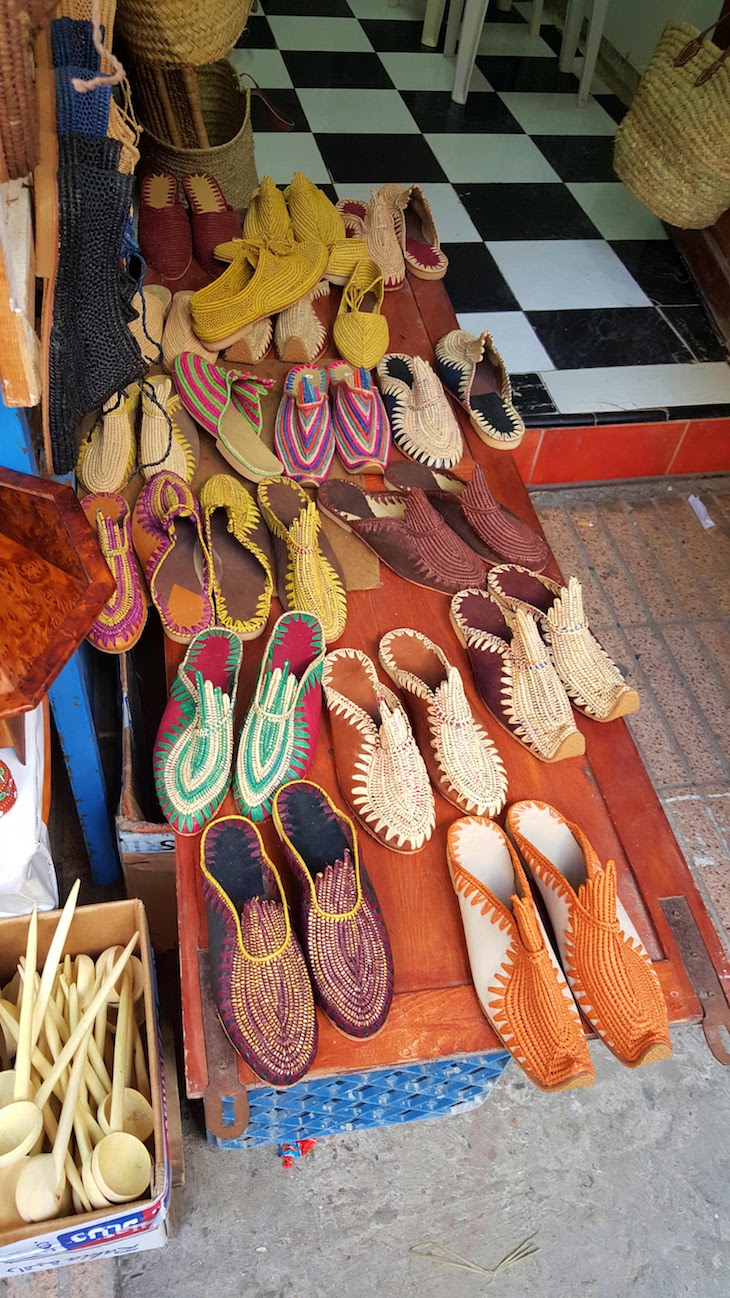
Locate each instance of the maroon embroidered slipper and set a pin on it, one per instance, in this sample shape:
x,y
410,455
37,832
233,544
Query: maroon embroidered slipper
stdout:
x,y
336,911
259,977
213,220
406,532
471,511
164,229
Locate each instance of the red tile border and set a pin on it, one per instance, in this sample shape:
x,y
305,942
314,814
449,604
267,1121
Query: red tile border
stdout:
x,y
705,448
606,451
527,452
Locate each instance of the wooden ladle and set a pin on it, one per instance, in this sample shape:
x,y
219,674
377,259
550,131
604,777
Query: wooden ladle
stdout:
x,y
137,1116
120,1163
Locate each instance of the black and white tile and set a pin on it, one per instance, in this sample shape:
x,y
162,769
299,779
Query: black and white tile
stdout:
x,y
587,298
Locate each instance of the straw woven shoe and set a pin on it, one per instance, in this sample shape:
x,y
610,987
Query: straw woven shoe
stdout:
x,y
258,974
380,769
314,218
107,456
152,305
360,332
267,217
373,222
515,677
168,438
259,282
473,371
239,547
164,231
122,619
416,230
423,424
515,971
605,963
343,258
167,534
461,759
253,344
193,750
309,576
212,219
593,681
336,911
179,336
362,431
303,435
299,335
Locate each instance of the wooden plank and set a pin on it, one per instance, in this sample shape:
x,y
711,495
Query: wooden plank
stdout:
x,y
19,347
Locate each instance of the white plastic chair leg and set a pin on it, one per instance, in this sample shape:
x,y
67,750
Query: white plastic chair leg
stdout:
x,y
432,22
504,6
536,17
393,4
596,22
471,30
453,26
571,32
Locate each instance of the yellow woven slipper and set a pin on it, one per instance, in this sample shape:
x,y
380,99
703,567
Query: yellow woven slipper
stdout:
x,y
267,221
343,258
106,457
360,332
167,435
260,282
313,216
309,577
239,547
179,335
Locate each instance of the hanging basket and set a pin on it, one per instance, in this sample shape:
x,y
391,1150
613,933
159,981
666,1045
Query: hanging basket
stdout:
x,y
672,149
170,33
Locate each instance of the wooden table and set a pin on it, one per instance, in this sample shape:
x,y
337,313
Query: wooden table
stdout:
x,y
435,1012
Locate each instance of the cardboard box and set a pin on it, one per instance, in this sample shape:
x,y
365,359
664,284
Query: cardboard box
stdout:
x,y
129,1227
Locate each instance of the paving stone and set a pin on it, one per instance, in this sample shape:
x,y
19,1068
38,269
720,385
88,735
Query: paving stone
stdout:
x,y
608,566
564,545
698,835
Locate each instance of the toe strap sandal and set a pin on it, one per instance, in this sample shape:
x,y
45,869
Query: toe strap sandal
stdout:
x,y
309,576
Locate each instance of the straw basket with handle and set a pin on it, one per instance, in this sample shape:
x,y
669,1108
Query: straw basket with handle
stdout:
x,y
672,148
175,33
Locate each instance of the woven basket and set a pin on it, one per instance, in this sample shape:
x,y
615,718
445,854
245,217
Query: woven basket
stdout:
x,y
174,32
672,149
226,113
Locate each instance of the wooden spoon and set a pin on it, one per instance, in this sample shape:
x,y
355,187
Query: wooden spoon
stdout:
x,y
120,1163
137,1116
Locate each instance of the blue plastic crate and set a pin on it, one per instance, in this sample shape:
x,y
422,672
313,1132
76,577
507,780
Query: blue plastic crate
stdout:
x,y
324,1106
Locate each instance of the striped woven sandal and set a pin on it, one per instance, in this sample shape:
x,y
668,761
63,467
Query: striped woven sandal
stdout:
x,y
258,974
423,424
107,455
309,576
473,372
517,978
280,733
515,677
592,679
608,970
304,438
167,534
373,223
336,911
362,429
239,547
122,619
193,750
227,404
416,229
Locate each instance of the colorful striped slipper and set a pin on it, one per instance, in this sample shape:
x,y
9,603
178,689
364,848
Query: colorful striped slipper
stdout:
x,y
239,546
472,370
309,576
362,430
193,750
416,229
423,423
227,404
167,533
303,435
279,736
122,620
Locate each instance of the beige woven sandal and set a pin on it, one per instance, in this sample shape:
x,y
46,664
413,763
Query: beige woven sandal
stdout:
x,y
299,335
253,344
416,230
107,456
473,372
593,681
179,335
424,425
374,223
148,332
167,437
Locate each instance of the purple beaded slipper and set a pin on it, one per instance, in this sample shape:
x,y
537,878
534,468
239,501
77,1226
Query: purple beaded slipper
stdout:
x,y
122,619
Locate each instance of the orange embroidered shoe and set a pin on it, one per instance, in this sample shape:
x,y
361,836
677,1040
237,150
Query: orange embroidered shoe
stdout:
x,y
607,968
516,975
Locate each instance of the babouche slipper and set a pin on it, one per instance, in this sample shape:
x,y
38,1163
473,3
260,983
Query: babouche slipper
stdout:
x,y
303,434
362,431
515,676
605,963
379,766
424,426
179,336
309,576
227,404
239,546
122,619
373,223
194,746
473,371
515,971
164,229
167,534
258,974
336,911
261,280
592,680
360,331
300,336
461,759
416,230
212,219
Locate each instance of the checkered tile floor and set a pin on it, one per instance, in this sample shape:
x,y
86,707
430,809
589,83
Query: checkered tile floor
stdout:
x,y
588,300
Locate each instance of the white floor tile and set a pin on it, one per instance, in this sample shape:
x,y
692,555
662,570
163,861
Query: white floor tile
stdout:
x,y
292,33
513,38
426,72
453,223
616,213
267,67
514,337
279,156
381,9
372,111
557,114
363,189
491,158
638,387
565,274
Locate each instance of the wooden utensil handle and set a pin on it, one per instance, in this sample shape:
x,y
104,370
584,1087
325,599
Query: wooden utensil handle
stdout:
x,y
25,1042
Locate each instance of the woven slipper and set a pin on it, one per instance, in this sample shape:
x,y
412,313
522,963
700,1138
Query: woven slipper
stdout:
x,y
309,576
471,510
303,435
227,404
300,335
261,985
424,426
360,331
279,736
373,222
213,220
152,305
193,750
164,232
515,677
517,978
472,370
593,681
122,620
179,336
416,230
167,534
343,258
260,281
608,970
168,438
314,218
253,344
239,547
362,430
107,455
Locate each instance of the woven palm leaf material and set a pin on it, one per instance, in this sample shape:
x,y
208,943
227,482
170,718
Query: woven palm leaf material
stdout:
x,y
194,747
423,424
121,621
309,576
373,222
590,677
253,344
261,280
299,334
605,962
19,22
259,978
336,913
8,790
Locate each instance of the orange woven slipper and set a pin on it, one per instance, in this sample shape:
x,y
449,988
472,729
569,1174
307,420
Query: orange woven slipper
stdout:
x,y
607,968
515,971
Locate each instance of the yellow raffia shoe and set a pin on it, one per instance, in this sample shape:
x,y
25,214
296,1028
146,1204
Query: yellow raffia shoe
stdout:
x,y
310,579
107,456
260,282
313,216
360,332
239,546
266,221
344,257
